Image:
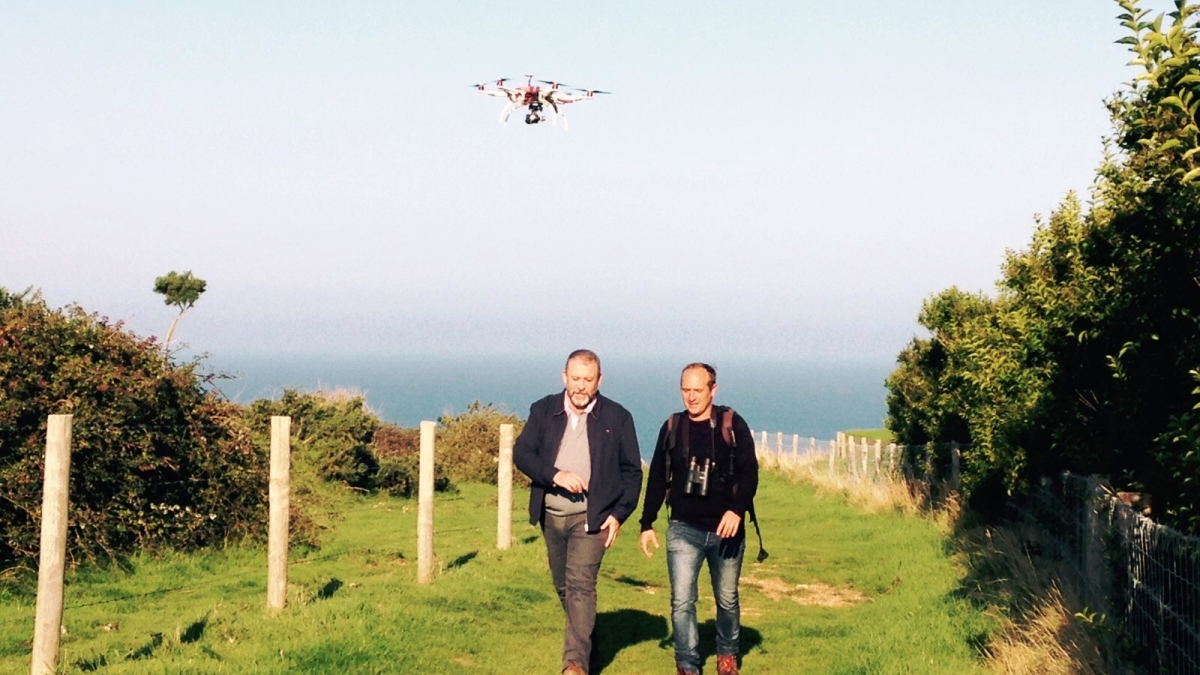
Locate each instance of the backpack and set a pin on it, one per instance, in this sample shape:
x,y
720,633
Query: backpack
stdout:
x,y
673,426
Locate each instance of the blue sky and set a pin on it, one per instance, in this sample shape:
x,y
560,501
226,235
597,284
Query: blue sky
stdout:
x,y
784,180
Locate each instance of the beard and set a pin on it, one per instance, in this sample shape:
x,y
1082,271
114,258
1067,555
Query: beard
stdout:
x,y
581,399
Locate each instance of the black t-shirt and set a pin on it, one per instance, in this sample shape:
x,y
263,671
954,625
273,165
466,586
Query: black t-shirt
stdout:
x,y
733,476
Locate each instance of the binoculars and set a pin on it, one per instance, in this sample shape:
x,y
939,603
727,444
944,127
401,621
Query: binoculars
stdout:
x,y
697,478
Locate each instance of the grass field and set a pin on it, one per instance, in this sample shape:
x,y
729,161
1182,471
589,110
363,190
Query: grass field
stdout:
x,y
884,435
843,592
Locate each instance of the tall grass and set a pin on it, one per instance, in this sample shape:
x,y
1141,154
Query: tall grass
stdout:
x,y
1041,627
843,591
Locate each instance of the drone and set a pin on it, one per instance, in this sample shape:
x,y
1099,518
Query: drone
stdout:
x,y
554,95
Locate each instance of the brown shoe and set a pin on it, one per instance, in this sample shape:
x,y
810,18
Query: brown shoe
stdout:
x,y
574,669
727,664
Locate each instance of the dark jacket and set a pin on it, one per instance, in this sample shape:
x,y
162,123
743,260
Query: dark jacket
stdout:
x,y
731,488
616,478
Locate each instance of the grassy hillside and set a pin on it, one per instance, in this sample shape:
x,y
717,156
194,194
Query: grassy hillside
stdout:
x,y
873,434
842,592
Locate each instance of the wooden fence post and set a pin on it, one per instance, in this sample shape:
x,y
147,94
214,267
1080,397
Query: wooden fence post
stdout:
x,y
852,456
834,448
504,479
425,506
279,498
878,456
955,467
47,623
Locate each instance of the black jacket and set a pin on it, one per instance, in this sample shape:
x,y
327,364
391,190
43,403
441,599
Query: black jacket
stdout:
x,y
728,490
616,478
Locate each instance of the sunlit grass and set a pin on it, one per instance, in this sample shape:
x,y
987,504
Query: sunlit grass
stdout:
x,y
884,435
843,591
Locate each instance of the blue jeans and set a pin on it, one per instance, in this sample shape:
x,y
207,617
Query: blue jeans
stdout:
x,y
688,548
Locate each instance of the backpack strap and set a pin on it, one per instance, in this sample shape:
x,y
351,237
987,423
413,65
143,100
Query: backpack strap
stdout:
x,y
762,552
731,441
727,427
673,424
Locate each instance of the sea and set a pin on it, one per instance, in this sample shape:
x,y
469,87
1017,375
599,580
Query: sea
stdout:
x,y
815,399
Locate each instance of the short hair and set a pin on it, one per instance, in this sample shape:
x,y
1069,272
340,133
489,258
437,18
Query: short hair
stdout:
x,y
585,355
712,372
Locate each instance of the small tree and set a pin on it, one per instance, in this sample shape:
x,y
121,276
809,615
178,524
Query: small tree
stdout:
x,y
178,290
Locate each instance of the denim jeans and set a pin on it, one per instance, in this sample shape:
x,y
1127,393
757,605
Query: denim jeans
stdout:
x,y
574,557
688,548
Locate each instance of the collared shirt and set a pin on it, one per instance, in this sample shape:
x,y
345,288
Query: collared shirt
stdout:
x,y
570,409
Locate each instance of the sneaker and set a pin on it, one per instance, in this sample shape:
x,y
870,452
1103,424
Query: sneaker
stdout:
x,y
680,670
727,664
573,669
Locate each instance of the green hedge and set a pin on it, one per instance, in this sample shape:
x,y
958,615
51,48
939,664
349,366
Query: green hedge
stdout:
x,y
157,458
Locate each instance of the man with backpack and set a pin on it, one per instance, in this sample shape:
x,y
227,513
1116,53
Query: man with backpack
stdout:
x,y
705,468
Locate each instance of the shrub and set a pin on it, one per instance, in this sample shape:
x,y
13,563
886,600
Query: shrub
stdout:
x,y
331,434
399,453
468,443
157,458
1084,359
336,438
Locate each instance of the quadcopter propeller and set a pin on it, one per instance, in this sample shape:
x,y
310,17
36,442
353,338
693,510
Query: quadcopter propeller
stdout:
x,y
496,83
589,92
556,85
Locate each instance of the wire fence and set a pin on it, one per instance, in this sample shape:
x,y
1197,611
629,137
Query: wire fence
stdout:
x,y
1139,579
1142,576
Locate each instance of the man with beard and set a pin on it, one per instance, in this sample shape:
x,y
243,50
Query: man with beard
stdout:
x,y
580,451
704,466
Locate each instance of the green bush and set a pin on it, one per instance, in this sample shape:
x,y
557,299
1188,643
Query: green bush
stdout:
x,y
157,458
1085,358
468,443
336,438
399,453
331,435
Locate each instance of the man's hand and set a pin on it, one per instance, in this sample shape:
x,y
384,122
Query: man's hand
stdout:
x,y
649,537
570,482
728,525
613,526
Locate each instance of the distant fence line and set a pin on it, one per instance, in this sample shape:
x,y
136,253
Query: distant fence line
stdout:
x,y
860,459
1143,578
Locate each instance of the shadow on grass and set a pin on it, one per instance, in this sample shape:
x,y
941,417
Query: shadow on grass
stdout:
x,y
194,632
1021,571
748,639
530,539
462,560
623,628
93,664
630,581
329,589
146,650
